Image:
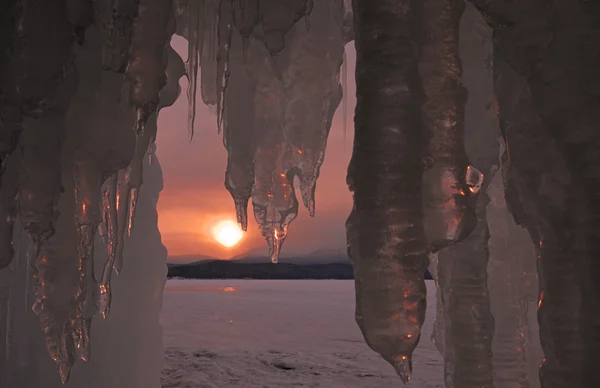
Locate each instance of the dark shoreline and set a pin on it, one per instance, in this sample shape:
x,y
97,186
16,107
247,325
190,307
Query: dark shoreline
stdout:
x,y
223,269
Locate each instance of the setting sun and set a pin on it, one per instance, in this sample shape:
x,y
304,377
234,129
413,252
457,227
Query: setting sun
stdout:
x,y
227,233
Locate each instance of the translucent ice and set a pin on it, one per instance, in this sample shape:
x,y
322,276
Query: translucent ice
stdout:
x,y
310,65
449,198
385,231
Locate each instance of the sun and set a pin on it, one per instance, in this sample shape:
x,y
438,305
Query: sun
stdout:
x,y
227,233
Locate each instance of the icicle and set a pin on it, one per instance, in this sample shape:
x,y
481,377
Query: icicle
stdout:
x,y
147,74
506,271
273,196
146,66
449,199
437,335
442,326
386,238
110,208
194,10
308,119
534,158
239,128
225,17
40,187
87,190
114,216
122,210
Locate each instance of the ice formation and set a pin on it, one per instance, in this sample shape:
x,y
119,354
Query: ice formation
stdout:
x,y
82,82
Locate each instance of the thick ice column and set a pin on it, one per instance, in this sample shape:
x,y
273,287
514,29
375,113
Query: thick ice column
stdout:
x,y
450,183
386,237
463,267
134,313
538,194
560,61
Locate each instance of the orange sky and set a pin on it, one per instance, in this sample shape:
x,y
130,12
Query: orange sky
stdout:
x,y
194,197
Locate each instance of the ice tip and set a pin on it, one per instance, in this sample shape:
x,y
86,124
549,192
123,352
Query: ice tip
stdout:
x,y
64,370
403,367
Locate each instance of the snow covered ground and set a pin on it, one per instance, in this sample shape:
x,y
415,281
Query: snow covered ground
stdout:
x,y
278,334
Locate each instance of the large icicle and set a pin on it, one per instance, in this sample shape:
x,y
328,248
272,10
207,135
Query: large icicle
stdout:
x,y
239,125
311,78
466,300
146,71
538,196
451,184
273,196
556,48
386,237
123,187
513,286
285,136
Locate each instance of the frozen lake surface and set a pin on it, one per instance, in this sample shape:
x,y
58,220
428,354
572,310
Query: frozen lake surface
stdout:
x,y
278,334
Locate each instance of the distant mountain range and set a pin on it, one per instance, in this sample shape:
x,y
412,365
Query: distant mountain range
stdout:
x,y
320,264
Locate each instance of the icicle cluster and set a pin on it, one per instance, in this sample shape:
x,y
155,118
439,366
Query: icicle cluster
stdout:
x,y
268,67
105,157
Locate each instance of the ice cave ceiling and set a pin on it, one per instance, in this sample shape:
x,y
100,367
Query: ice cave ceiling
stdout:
x,y
82,83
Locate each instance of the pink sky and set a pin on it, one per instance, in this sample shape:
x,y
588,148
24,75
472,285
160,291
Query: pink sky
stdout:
x,y
194,197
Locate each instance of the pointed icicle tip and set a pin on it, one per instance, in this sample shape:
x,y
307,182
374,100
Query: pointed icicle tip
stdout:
x,y
64,370
241,211
274,245
403,367
311,207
